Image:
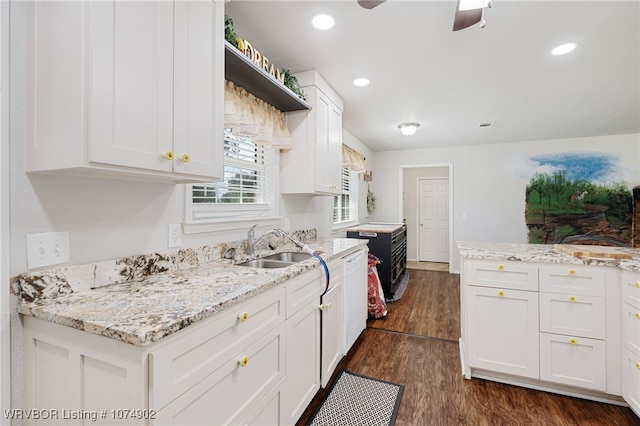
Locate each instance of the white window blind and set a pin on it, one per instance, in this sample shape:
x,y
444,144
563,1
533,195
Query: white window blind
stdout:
x,y
244,190
344,205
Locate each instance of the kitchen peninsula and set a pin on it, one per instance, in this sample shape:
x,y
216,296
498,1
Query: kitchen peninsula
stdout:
x,y
182,337
534,316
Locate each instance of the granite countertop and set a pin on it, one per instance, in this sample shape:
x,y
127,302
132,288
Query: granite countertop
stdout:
x,y
143,310
543,253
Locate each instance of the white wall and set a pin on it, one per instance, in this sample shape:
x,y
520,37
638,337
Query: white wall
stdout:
x,y
486,182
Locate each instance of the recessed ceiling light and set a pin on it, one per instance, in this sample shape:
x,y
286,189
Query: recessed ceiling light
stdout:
x,y
323,22
563,48
361,82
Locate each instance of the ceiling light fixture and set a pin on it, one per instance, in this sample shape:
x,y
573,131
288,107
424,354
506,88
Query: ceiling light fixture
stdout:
x,y
361,82
563,48
322,22
408,129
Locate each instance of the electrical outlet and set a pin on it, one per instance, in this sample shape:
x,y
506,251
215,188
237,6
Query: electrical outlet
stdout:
x,y
49,248
175,235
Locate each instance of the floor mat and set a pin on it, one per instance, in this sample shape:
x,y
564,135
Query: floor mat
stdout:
x,y
358,400
402,286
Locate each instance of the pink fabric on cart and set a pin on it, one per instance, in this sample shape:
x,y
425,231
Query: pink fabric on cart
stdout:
x,y
377,306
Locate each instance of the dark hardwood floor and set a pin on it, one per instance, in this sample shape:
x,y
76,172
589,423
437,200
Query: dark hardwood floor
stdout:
x,y
417,345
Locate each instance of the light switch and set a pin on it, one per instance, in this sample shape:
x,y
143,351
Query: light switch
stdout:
x,y
49,248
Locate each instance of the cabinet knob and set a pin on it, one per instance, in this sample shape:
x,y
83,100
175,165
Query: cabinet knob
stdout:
x,y
244,316
638,365
322,307
572,298
169,155
573,341
243,361
637,284
329,305
638,315
501,267
572,272
185,158
500,293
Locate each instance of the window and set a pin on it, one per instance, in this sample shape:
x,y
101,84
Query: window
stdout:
x,y
244,191
345,204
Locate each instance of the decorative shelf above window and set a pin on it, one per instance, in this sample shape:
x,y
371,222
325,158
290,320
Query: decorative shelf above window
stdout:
x,y
244,73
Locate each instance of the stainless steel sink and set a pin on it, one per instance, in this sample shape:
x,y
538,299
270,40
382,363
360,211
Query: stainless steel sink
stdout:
x,y
266,263
290,256
278,260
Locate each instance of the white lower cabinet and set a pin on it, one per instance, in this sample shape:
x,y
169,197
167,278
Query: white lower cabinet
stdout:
x,y
503,330
332,339
555,327
631,380
631,340
332,329
255,363
302,347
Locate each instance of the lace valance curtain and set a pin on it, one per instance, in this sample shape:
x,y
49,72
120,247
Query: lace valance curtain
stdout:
x,y
251,117
352,159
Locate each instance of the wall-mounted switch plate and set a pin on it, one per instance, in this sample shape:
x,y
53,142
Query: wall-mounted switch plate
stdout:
x,y
175,235
49,248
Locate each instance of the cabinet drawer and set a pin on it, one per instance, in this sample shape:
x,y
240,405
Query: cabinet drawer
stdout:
x,y
575,361
569,279
303,290
582,316
631,328
335,272
200,350
512,275
631,380
266,412
227,395
631,289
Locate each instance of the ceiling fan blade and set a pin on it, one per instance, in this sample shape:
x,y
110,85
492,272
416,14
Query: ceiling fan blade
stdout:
x,y
466,18
370,4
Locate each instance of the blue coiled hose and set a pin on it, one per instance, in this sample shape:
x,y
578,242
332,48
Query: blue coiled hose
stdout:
x,y
326,270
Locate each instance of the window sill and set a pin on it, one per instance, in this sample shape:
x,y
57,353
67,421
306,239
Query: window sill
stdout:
x,y
229,225
343,226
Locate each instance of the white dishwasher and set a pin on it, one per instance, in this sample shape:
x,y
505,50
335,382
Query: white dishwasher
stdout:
x,y
355,297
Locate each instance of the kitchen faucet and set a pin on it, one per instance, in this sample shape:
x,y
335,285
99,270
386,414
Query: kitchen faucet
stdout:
x,y
252,241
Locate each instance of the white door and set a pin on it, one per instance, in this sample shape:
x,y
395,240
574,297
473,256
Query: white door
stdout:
x,y
433,220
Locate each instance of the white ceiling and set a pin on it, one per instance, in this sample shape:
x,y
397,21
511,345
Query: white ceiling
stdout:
x,y
449,82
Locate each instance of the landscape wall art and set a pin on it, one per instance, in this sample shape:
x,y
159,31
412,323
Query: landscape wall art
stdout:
x,y
578,198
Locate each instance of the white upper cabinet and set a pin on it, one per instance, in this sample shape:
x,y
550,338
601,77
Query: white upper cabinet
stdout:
x,y
127,89
314,164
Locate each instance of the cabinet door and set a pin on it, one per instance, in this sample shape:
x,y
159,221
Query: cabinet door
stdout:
x,y
631,380
334,150
322,111
198,85
332,339
503,330
130,84
303,361
575,361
